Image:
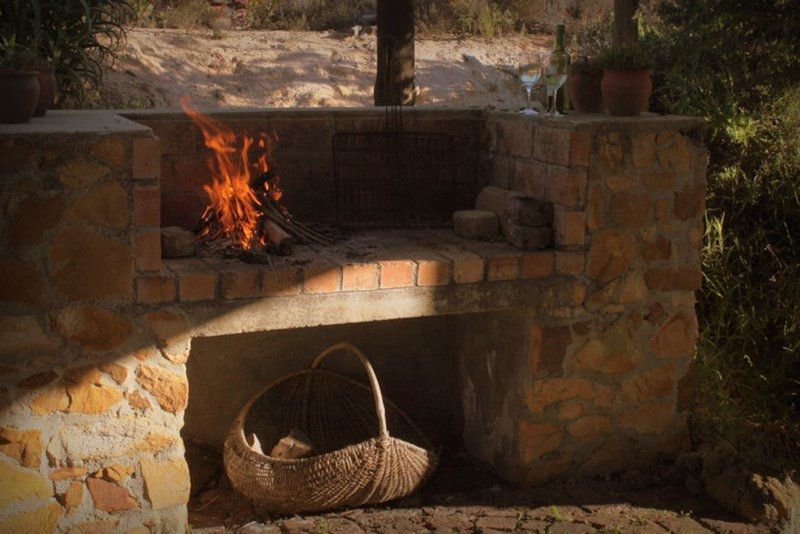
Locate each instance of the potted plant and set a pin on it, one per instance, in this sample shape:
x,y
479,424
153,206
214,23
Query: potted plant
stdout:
x,y
19,88
585,74
626,83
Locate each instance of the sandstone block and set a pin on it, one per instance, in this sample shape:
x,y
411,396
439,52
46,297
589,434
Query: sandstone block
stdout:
x,y
658,250
118,372
171,331
537,439
655,418
643,146
595,207
177,242
110,150
110,497
87,394
106,206
52,399
547,347
528,237
690,202
73,497
548,391
137,400
676,156
167,483
79,174
659,180
23,445
92,327
397,274
22,281
569,228
67,473
21,484
610,151
613,352
566,186
476,224
610,255
629,210
19,334
526,211
35,215
568,262
589,427
37,521
677,337
651,384
170,390
85,265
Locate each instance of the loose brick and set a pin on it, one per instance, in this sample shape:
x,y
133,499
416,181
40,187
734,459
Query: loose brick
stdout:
x,y
281,283
322,279
146,158
537,264
148,250
528,237
177,243
433,273
468,267
476,224
506,267
397,273
360,277
153,289
147,205
529,211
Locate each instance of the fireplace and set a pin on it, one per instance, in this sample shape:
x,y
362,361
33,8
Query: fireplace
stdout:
x,y
562,362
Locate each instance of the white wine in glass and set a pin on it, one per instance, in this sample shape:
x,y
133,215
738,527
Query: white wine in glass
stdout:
x,y
555,75
529,75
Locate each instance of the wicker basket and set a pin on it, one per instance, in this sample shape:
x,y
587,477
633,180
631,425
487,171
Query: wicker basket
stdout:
x,y
351,466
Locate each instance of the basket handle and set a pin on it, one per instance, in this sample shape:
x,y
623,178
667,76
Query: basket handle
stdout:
x,y
373,379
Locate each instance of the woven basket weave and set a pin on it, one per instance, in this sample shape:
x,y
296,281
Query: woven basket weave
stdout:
x,y
351,466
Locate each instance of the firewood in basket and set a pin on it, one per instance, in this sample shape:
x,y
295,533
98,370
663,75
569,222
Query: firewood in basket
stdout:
x,y
255,444
295,445
280,239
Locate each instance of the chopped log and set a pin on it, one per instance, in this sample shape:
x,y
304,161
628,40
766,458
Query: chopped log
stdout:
x,y
279,238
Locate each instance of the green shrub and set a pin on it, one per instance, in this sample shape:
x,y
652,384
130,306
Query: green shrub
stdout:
x,y
625,57
586,66
737,65
184,14
13,55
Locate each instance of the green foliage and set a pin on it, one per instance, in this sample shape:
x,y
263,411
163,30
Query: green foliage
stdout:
x,y
483,18
307,14
13,55
184,14
737,64
625,57
76,37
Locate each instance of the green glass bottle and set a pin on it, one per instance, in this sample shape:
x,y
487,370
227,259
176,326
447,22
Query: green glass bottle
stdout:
x,y
562,100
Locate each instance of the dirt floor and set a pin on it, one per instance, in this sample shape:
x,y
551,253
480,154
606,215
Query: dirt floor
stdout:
x,y
463,497
306,69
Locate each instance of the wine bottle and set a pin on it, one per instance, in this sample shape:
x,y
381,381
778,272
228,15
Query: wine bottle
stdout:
x,y
562,100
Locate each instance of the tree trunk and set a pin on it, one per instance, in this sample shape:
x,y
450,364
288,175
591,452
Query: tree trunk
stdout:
x,y
625,27
394,83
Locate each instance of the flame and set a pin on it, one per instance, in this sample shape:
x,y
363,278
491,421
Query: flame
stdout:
x,y
233,202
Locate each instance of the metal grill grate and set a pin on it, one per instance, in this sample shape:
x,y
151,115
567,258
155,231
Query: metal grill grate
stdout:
x,y
394,178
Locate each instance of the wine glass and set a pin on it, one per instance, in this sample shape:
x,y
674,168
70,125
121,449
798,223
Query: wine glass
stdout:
x,y
529,75
555,75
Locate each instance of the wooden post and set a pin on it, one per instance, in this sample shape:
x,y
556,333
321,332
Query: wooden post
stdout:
x,y
394,83
625,27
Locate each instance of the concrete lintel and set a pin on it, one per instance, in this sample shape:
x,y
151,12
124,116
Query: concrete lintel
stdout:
x,y
223,318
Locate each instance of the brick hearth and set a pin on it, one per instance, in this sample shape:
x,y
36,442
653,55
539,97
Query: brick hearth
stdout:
x,y
96,328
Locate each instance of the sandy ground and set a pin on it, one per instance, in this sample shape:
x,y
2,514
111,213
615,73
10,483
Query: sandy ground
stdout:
x,y
305,69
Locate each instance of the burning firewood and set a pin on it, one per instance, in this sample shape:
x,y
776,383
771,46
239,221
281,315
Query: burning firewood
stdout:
x,y
244,216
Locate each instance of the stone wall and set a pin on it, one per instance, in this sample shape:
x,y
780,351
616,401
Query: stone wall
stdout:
x,y
599,387
581,376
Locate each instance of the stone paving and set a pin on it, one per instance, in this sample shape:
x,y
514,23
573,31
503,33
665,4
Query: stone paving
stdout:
x,y
463,497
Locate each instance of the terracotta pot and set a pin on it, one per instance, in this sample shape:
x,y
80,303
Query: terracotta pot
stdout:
x,y
585,93
626,92
46,76
19,94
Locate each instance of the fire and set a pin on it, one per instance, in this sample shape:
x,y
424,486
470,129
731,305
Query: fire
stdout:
x,y
235,195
